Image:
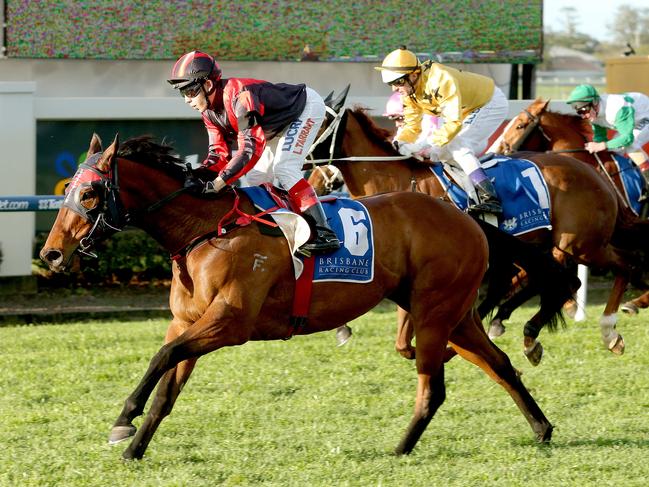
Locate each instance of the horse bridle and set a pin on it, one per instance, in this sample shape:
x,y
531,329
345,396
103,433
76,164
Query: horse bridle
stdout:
x,y
334,146
534,123
108,216
331,130
331,176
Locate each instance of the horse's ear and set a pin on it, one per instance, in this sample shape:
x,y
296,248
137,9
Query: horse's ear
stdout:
x,y
339,102
545,104
106,160
328,98
95,144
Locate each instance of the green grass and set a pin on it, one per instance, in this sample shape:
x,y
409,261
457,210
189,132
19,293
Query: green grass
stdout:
x,y
306,413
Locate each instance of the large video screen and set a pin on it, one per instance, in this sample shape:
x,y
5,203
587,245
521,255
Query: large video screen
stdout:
x,y
470,31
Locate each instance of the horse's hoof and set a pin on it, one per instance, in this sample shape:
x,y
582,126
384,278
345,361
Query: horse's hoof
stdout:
x,y
534,353
496,329
121,433
546,435
343,334
617,345
570,308
630,308
407,353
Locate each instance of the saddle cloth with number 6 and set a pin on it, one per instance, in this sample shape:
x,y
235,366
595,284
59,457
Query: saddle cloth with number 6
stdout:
x,y
354,260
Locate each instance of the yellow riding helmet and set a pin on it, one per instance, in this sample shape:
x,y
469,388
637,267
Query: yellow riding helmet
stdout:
x,y
397,64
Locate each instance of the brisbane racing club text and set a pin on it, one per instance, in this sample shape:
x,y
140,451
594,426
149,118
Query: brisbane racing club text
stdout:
x,y
343,265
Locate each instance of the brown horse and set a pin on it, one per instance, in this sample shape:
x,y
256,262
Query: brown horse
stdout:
x,y
538,129
238,285
586,217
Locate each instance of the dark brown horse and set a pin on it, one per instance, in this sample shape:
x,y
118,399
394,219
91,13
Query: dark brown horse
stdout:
x,y
239,285
586,216
539,129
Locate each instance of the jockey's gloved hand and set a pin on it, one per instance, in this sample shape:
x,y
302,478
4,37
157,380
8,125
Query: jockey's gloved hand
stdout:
x,y
410,149
194,184
431,152
213,187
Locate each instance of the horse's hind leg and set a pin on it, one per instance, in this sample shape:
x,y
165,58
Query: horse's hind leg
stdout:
x,y
610,336
431,391
634,306
506,309
472,343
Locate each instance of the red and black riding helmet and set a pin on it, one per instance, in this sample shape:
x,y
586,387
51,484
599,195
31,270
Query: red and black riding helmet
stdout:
x,y
193,67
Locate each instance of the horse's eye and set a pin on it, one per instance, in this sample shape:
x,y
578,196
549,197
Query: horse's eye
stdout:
x,y
520,126
89,199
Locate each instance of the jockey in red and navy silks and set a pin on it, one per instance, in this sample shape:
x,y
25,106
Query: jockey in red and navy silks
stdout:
x,y
242,116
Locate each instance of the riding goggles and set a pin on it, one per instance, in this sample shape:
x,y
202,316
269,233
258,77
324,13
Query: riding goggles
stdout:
x,y
399,81
191,90
584,110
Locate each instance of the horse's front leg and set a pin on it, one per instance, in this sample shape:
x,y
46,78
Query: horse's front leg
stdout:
x,y
405,331
134,404
123,427
217,328
168,390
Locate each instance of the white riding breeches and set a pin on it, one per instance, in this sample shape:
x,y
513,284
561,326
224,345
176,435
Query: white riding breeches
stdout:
x,y
476,129
640,138
282,161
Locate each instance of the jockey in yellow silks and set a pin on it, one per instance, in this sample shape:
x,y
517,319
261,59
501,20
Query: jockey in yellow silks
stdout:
x,y
470,104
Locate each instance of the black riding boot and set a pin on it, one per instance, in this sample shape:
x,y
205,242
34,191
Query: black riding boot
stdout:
x,y
323,239
487,197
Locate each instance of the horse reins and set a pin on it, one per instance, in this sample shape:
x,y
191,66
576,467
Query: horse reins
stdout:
x,y
332,130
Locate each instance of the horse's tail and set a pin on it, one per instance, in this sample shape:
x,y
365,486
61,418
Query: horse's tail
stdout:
x,y
631,239
545,277
631,233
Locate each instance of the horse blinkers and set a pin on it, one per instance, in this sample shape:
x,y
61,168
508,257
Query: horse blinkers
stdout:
x,y
96,201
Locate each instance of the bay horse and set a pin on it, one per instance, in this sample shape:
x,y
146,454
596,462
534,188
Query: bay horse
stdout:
x,y
539,129
235,286
587,224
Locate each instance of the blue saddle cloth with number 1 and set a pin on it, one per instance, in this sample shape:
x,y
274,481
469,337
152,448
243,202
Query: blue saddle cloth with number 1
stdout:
x,y
521,188
350,220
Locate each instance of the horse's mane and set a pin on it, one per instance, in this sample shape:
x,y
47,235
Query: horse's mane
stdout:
x,y
572,122
144,150
378,135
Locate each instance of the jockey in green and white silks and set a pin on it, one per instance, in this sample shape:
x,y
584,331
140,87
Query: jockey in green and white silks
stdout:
x,y
626,113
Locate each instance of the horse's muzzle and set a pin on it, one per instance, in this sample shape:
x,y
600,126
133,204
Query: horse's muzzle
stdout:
x,y
53,258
